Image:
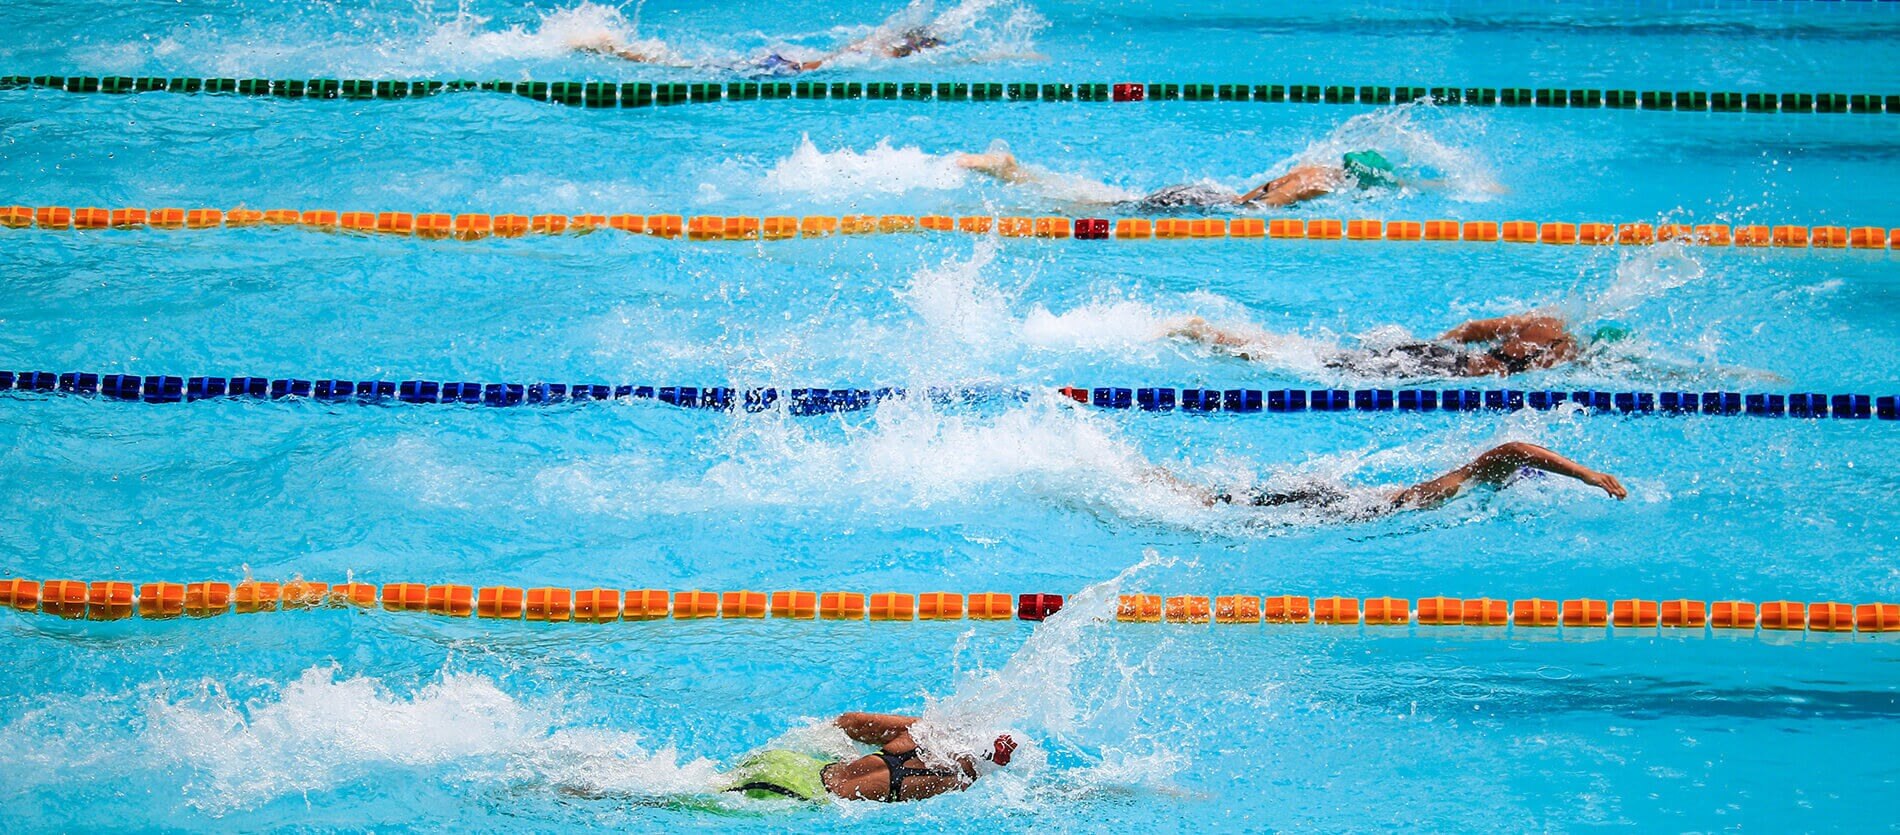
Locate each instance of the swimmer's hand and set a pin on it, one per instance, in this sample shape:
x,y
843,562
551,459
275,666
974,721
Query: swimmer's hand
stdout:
x,y
1607,483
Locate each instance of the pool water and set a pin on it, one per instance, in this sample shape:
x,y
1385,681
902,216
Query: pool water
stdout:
x,y
365,719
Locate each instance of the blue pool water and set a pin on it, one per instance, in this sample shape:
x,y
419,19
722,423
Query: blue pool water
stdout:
x,y
345,719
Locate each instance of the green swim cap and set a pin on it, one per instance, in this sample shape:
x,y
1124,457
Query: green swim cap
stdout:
x,y
1611,332
1369,168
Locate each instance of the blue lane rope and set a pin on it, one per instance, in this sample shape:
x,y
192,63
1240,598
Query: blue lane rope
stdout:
x,y
806,401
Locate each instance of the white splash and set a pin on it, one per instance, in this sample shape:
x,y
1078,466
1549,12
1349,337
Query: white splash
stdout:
x,y
320,731
882,169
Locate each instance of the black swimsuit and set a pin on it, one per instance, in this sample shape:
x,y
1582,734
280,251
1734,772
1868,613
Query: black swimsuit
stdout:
x,y
895,764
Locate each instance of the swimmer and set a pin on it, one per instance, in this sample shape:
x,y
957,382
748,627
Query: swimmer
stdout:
x,y
903,45
1496,467
1366,169
895,772
1497,347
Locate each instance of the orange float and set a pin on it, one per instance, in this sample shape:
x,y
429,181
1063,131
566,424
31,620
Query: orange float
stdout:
x,y
1189,608
666,226
91,218
158,601
19,593
841,605
1732,614
1830,617
1247,227
991,606
1138,608
1877,617
361,595
1330,230
1586,612
1336,610
596,605
474,227
203,600
1684,614
1442,230
742,604
435,226
634,224
1286,608
1404,230
1536,611
1630,614
1134,227
976,225
1557,233
256,596
65,598
1388,611
1480,230
798,605
1285,227
1484,611
890,605
645,604
396,223
549,604
450,600
1015,227
109,600
1784,614
815,226
1364,230
1237,608
1518,232
1634,234
940,605
502,602
778,228
692,605
1438,611
547,224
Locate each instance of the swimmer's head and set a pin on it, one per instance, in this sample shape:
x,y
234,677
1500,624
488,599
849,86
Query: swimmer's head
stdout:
x,y
913,42
1609,332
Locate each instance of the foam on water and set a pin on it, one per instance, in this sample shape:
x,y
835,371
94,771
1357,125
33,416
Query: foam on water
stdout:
x,y
320,731
880,169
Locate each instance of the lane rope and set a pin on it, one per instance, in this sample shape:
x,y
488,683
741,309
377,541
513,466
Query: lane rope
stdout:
x,y
607,94
119,600
470,227
159,389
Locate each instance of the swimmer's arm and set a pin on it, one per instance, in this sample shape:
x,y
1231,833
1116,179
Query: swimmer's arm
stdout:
x,y
875,728
1498,464
1199,492
1197,329
1492,330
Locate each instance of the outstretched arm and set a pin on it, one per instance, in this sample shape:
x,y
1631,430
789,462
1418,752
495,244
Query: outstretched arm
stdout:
x,y
1496,465
1197,329
875,728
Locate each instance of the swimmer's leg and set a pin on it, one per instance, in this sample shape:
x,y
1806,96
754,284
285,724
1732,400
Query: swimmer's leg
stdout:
x,y
1495,466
